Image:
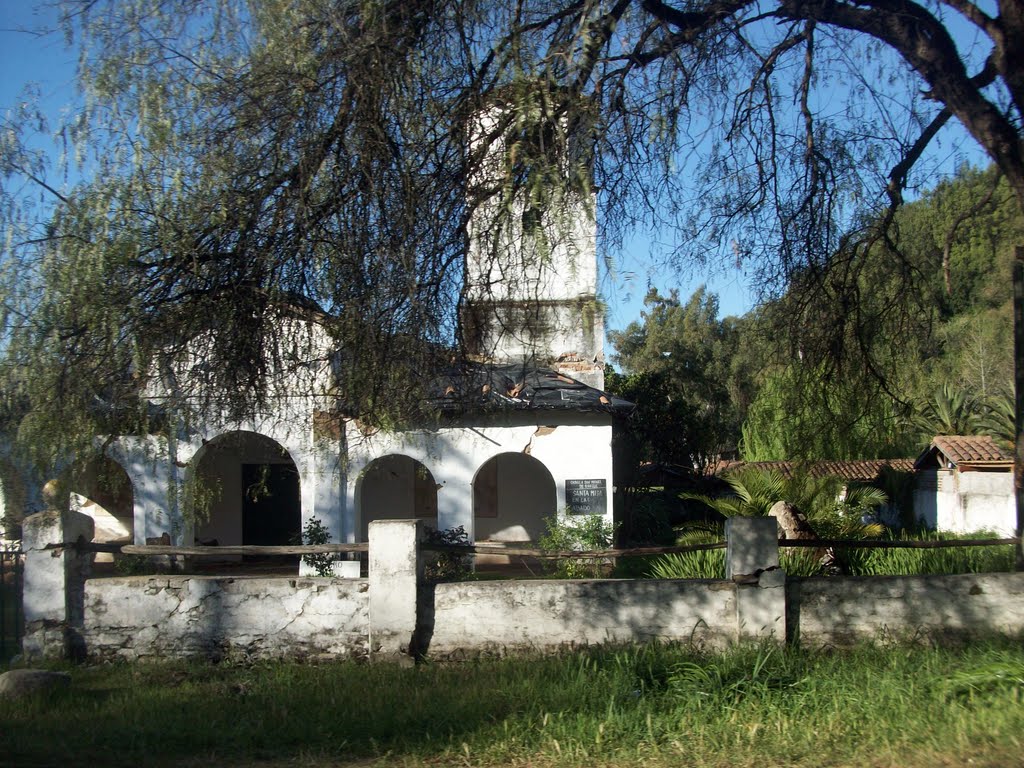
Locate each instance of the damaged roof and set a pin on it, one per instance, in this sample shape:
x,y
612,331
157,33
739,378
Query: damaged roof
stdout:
x,y
485,387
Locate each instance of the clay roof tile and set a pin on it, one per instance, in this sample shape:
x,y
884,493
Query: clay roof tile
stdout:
x,y
961,449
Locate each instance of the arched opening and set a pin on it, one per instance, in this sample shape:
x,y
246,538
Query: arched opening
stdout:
x,y
396,487
244,489
102,490
513,494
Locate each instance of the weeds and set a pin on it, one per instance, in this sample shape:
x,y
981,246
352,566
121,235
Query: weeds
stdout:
x,y
710,564
658,705
586,533
912,562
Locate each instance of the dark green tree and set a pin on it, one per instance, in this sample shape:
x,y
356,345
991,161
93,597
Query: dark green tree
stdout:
x,y
677,364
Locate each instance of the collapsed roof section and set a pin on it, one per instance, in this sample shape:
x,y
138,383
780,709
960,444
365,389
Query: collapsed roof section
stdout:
x,y
480,387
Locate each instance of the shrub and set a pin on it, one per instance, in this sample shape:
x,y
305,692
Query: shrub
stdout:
x,y
447,566
577,533
315,532
702,564
913,562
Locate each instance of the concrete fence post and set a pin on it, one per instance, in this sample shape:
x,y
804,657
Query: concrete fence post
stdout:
x,y
396,568
54,579
752,562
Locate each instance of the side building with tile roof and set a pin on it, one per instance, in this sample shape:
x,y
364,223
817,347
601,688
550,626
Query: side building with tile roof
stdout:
x,y
965,484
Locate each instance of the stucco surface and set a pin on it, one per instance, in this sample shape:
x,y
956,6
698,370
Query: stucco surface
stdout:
x,y
133,617
512,616
837,610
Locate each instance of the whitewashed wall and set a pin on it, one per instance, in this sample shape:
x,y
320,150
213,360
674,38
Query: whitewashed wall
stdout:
x,y
850,609
143,616
395,613
510,616
453,455
962,502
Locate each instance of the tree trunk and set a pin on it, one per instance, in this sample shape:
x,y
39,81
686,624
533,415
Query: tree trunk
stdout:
x,y
1018,415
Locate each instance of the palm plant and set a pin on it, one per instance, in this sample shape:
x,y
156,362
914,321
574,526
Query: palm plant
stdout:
x,y
950,411
754,491
998,420
834,511
823,500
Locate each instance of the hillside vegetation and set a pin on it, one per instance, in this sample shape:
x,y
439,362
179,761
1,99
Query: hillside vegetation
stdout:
x,y
866,355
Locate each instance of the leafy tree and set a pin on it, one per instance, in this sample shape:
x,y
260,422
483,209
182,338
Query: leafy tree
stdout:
x,y
310,158
918,338
799,416
960,235
676,360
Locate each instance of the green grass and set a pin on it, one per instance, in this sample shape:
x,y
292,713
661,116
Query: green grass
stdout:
x,y
875,705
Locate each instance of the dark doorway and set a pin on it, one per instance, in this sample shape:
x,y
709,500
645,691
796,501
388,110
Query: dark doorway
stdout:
x,y
271,511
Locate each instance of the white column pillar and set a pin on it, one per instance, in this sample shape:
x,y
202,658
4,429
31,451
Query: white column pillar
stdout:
x,y
395,572
54,579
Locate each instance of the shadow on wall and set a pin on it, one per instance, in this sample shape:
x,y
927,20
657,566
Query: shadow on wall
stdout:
x,y
395,487
513,494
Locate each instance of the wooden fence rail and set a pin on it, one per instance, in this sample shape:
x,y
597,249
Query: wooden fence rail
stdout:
x,y
491,549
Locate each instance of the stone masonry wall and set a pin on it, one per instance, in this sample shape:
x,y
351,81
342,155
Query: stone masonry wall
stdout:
x,y
513,616
846,609
214,617
395,615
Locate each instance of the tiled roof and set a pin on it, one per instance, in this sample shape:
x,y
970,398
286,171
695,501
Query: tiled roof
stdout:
x,y
863,470
969,449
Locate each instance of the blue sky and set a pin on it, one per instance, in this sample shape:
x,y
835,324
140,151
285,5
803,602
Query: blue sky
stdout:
x,y
45,61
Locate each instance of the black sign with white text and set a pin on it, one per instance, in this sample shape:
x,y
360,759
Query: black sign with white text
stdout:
x,y
586,497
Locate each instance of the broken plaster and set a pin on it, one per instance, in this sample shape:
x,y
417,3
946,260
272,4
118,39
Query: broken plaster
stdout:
x,y
540,432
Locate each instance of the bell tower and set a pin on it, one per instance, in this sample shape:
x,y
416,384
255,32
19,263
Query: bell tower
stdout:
x,y
531,266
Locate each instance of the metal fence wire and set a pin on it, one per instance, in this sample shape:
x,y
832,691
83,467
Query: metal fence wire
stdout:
x,y
12,619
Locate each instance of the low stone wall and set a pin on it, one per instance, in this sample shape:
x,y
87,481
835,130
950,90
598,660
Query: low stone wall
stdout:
x,y
841,610
513,616
213,617
395,615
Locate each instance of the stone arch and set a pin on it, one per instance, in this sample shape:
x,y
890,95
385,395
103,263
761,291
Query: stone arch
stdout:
x,y
103,490
513,493
395,487
244,488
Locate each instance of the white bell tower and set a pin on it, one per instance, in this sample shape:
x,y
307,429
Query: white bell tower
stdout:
x,y
531,266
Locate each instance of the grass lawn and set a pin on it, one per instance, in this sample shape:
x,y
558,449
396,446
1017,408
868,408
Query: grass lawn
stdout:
x,y
882,705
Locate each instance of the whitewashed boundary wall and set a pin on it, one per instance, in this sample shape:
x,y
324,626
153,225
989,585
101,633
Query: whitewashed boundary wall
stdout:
x,y
216,618
842,610
396,615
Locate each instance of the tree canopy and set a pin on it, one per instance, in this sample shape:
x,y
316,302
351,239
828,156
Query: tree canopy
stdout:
x,y
676,361
948,355
312,158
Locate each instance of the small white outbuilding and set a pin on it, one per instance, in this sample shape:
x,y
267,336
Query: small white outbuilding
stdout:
x,y
964,483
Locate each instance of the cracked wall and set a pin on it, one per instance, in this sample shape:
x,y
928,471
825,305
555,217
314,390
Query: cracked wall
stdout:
x,y
517,616
216,617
